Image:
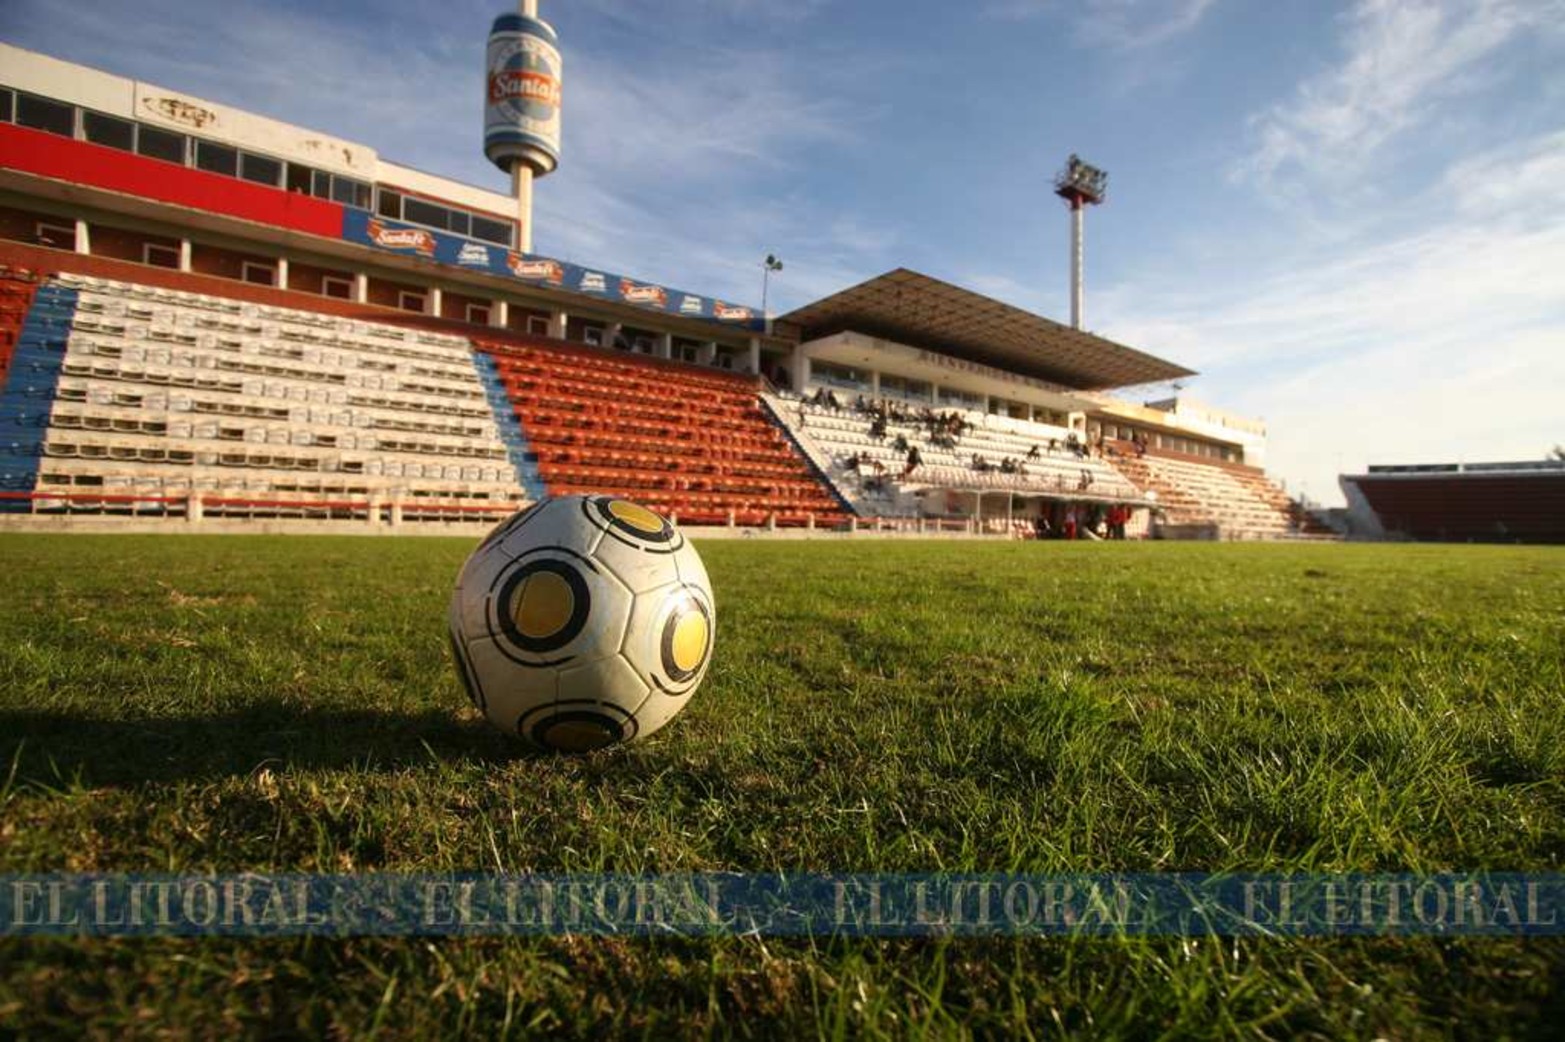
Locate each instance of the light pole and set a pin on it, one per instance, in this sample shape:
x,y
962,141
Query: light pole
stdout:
x,y
1081,185
769,265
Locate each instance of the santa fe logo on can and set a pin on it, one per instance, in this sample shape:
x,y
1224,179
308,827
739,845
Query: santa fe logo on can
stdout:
x,y
522,94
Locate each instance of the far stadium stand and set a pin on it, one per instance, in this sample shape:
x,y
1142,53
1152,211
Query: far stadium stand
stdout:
x,y
1515,502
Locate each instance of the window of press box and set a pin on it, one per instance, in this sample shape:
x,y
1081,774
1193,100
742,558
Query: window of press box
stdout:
x,y
44,114
217,159
160,144
420,212
109,130
389,204
262,170
7,105
349,192
491,231
302,179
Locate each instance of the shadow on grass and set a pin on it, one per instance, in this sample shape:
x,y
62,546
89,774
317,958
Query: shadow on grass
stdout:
x,y
54,748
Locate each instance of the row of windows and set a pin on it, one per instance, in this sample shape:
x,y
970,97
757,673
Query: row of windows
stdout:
x,y
910,389
400,207
58,117
1189,446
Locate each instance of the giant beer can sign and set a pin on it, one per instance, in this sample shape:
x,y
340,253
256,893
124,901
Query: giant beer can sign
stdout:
x,y
522,94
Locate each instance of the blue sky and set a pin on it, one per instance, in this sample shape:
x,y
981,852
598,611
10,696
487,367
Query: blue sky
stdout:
x,y
1350,218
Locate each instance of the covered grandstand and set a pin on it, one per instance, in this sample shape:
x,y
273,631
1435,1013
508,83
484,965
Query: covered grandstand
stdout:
x,y
211,314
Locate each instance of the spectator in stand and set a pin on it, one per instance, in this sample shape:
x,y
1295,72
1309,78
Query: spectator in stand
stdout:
x,y
1034,453
877,428
900,443
1086,480
914,460
1069,527
1041,527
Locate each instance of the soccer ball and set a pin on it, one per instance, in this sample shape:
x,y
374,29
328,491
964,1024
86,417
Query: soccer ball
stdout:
x,y
582,621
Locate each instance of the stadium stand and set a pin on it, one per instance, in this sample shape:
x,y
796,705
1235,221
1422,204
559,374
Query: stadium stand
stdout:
x,y
692,442
1238,499
234,316
168,400
868,470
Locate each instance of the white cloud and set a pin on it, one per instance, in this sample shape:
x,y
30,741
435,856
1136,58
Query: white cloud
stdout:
x,y
1404,61
1443,342
1114,24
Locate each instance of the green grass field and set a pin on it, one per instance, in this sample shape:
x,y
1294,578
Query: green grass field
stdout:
x,y
195,704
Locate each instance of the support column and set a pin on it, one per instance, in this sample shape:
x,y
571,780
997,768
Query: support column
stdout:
x,y
665,348
282,272
800,368
193,509
83,241
708,352
500,313
184,256
611,334
361,288
753,365
558,321
874,383
432,303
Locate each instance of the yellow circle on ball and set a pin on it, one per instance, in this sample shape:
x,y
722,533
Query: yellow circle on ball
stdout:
x,y
636,516
542,605
689,643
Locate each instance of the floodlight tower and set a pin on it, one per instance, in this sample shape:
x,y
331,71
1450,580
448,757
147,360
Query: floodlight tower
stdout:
x,y
1081,185
522,106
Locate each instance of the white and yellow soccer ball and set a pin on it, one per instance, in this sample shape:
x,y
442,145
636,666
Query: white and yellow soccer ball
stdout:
x,y
582,621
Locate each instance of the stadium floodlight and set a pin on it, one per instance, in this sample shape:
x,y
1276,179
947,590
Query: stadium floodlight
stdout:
x,y
1082,180
1081,185
769,265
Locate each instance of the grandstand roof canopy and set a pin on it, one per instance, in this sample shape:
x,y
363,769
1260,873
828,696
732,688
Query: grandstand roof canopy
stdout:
x,y
914,309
